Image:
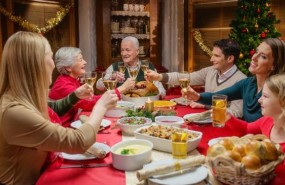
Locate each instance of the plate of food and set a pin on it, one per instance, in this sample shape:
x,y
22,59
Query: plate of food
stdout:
x,y
98,150
199,118
183,177
142,92
104,124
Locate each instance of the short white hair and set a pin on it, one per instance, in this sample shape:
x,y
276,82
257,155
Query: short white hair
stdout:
x,y
134,40
65,57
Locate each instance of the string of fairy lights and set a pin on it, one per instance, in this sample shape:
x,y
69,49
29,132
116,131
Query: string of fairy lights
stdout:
x,y
50,23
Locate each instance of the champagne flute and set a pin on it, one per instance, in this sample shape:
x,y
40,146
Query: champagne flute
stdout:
x,y
133,71
90,79
109,80
184,81
144,65
122,67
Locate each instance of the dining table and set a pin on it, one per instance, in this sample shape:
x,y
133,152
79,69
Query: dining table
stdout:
x,y
101,171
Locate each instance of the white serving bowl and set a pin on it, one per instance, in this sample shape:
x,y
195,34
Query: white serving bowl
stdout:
x,y
130,128
169,120
139,101
131,162
120,109
165,144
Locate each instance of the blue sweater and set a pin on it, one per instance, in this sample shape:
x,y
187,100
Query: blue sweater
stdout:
x,y
245,89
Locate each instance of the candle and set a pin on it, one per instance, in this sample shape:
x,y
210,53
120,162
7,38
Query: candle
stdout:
x,y
149,105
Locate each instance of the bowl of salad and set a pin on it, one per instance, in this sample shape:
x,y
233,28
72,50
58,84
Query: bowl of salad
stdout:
x,y
129,124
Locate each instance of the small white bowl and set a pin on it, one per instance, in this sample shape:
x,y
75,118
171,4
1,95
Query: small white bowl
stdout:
x,y
120,109
130,128
169,120
131,162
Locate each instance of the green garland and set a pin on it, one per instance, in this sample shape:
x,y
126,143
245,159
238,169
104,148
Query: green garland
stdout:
x,y
50,24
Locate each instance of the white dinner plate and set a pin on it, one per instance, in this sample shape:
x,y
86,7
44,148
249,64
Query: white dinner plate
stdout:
x,y
188,177
85,156
78,123
202,122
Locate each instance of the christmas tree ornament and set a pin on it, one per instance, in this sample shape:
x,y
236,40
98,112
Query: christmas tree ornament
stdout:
x,y
263,35
251,52
258,10
256,25
244,30
240,56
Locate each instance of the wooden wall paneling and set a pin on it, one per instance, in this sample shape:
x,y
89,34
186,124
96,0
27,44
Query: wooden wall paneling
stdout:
x,y
191,18
103,22
278,7
155,41
10,24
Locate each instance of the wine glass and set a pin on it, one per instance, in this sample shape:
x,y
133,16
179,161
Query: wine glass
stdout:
x,y
133,71
184,81
144,65
122,67
90,79
109,80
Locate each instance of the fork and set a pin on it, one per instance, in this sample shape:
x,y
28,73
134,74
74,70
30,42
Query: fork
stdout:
x,y
84,166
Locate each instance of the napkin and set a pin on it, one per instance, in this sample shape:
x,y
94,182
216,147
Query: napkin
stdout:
x,y
198,116
175,166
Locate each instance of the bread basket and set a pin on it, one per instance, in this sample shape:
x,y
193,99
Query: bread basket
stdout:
x,y
228,171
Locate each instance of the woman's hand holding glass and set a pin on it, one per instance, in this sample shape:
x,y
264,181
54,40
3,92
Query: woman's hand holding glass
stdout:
x,y
108,100
84,91
109,80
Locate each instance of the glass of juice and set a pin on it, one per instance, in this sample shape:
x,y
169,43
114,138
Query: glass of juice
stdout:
x,y
219,110
179,144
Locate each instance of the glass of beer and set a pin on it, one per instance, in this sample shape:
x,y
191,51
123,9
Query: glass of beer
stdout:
x,y
109,80
179,140
219,110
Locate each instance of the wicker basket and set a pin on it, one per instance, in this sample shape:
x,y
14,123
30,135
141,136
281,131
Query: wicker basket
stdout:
x,y
228,171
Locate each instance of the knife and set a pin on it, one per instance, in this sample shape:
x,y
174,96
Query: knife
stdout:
x,y
84,166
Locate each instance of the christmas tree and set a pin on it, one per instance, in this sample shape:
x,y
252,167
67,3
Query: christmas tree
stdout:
x,y
254,22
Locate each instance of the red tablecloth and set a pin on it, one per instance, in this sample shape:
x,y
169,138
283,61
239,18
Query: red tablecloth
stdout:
x,y
109,175
87,176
